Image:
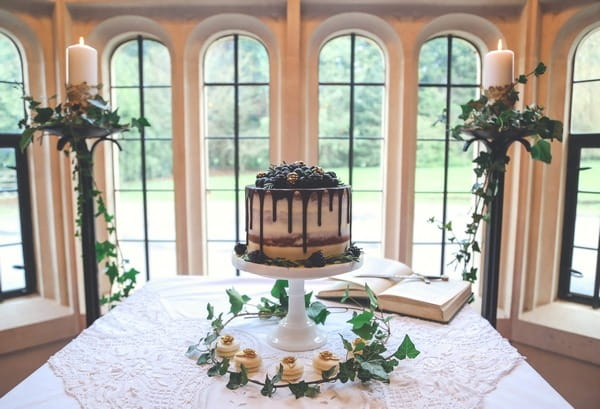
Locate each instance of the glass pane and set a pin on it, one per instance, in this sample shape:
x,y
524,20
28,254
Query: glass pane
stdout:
x,y
367,171
218,61
253,110
334,60
459,209
219,260
334,115
159,164
587,58
157,110
465,63
584,262
11,259
11,107
253,61
220,211
427,205
372,249
429,176
426,258
459,96
587,220
254,158
134,254
460,171
11,60
333,156
128,102
432,102
589,170
368,111
161,216
584,108
367,215
220,156
130,215
163,260
130,165
369,64
157,64
218,111
433,61
125,65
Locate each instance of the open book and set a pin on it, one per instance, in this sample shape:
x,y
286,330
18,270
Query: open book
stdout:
x,y
438,301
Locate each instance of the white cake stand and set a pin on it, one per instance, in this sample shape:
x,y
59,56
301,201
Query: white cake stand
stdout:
x,y
296,332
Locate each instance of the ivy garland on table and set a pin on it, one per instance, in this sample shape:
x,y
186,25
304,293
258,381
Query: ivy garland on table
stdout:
x,y
72,121
493,120
367,359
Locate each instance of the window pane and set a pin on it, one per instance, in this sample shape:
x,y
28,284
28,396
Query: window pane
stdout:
x,y
11,267
11,60
222,204
334,60
128,102
426,258
219,111
130,165
134,254
584,263
157,66
219,259
253,59
367,215
368,61
429,176
130,216
432,101
11,107
161,217
157,109
465,63
459,96
254,158
220,159
125,65
334,114
427,205
589,170
254,110
587,220
433,61
587,62
367,174
584,108
333,155
159,164
218,61
368,111
163,259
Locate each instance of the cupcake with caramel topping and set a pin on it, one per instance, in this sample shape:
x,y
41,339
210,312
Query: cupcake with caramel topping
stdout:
x,y
292,369
249,358
325,360
227,346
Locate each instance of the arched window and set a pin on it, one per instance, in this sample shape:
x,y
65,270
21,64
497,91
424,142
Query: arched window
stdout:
x,y
580,260
449,75
143,171
351,128
17,266
236,138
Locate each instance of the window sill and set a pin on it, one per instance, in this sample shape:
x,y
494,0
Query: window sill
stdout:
x,y
566,316
33,320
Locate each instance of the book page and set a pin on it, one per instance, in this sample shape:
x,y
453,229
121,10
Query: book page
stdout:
x,y
438,292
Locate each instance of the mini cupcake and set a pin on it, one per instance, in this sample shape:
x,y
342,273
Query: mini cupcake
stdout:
x,y
227,346
325,360
249,358
292,369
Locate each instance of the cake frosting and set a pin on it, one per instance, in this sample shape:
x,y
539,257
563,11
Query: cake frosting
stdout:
x,y
295,210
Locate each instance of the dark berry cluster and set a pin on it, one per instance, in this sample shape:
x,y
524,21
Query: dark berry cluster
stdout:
x,y
316,259
296,175
353,251
257,257
240,249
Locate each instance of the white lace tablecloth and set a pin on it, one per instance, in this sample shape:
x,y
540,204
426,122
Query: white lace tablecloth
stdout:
x,y
134,357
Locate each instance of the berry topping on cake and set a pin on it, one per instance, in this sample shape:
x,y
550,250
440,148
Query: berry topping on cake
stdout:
x,y
296,175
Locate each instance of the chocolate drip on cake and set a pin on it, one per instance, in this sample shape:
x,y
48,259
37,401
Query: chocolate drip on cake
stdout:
x,y
331,192
261,196
319,205
290,197
305,198
249,205
340,195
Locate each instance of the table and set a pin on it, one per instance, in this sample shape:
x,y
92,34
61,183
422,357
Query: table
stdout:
x,y
134,358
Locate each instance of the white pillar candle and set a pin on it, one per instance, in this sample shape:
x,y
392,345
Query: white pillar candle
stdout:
x,y
82,64
498,67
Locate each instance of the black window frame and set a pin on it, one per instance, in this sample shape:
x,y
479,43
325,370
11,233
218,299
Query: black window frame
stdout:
x,y
444,243
140,86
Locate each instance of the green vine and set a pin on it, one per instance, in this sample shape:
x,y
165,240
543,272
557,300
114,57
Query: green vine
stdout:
x,y
367,357
493,120
79,120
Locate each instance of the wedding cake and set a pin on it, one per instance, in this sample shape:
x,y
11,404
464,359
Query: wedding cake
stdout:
x,y
294,211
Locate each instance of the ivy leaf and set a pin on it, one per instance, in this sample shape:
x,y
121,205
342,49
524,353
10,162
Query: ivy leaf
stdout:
x,y
522,79
220,368
372,298
26,138
43,115
347,371
540,69
327,374
541,151
279,288
238,379
346,343
236,300
203,359
375,370
346,295
211,311
317,312
362,324
298,389
406,349
307,298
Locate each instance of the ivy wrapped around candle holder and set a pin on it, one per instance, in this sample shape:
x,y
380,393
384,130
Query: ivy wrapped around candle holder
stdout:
x,y
83,118
493,121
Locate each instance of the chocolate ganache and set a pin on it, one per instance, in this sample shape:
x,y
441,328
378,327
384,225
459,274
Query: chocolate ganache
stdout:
x,y
294,210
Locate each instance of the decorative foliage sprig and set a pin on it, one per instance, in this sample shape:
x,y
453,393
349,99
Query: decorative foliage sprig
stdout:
x,y
81,118
367,357
493,120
